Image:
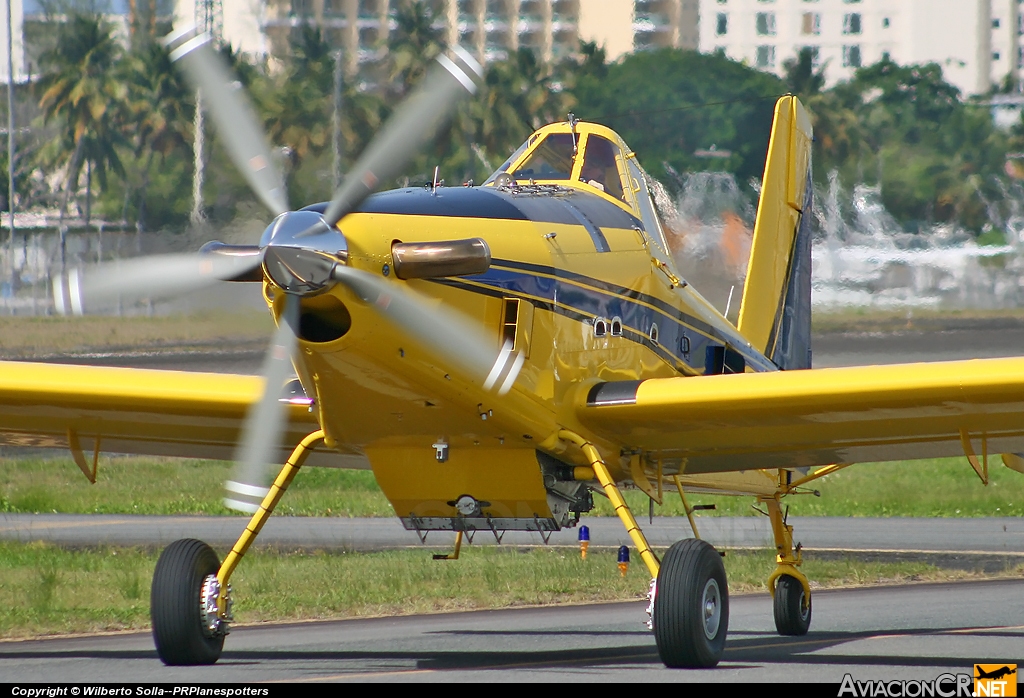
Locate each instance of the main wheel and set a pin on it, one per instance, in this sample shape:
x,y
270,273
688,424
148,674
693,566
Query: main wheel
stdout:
x,y
691,606
792,607
185,624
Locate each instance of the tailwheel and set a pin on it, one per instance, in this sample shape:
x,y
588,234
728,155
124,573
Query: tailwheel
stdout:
x,y
691,606
183,605
792,606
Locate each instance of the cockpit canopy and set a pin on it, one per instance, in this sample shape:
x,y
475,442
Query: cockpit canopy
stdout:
x,y
588,157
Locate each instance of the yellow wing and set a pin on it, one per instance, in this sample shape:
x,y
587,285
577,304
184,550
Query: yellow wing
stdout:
x,y
172,413
815,417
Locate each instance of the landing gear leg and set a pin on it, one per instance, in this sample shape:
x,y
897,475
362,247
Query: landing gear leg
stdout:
x,y
689,595
787,584
190,602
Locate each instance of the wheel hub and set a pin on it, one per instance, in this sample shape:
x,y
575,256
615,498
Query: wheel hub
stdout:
x,y
213,624
711,603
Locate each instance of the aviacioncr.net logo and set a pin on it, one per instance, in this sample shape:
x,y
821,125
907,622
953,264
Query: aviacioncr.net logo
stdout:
x,y
943,686
995,680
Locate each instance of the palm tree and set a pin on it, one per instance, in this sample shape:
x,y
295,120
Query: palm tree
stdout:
x,y
299,105
80,90
297,108
801,78
161,109
412,45
519,96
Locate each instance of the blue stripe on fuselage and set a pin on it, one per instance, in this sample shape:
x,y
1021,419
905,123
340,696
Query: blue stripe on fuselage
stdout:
x,y
588,298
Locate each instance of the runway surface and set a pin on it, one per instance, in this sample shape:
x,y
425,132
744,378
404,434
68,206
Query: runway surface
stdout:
x,y
909,632
986,338
967,536
913,632
981,339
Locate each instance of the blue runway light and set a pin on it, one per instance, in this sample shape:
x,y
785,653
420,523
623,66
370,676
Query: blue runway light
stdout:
x,y
584,541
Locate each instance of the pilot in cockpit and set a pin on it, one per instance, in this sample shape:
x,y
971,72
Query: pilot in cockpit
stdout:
x,y
599,169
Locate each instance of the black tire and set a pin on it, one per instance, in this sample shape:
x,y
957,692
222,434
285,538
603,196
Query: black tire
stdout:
x,y
792,607
691,606
178,630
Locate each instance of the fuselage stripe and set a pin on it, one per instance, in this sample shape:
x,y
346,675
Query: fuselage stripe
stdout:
x,y
587,286
664,353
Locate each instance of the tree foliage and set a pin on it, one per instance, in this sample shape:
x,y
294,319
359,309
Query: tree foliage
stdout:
x,y
127,115
80,89
670,105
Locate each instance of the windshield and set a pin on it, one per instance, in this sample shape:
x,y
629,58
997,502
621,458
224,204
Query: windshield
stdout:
x,y
511,158
599,167
552,159
647,212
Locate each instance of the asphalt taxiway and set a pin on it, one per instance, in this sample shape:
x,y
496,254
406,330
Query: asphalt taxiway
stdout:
x,y
891,633
953,339
1003,536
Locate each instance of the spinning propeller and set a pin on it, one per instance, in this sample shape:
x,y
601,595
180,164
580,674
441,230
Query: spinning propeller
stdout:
x,y
302,252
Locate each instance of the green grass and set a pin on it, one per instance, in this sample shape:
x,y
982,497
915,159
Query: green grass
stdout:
x,y
944,487
168,486
903,319
48,590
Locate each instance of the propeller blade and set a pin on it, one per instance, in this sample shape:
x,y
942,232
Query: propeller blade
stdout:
x,y
237,124
266,421
145,277
414,123
449,334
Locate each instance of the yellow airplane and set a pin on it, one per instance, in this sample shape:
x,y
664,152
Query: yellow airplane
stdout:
x,y
497,354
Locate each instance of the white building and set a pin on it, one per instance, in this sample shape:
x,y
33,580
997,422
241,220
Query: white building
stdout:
x,y
489,28
977,42
18,47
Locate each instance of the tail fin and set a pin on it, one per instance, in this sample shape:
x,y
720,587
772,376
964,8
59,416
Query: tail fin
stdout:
x,y
775,315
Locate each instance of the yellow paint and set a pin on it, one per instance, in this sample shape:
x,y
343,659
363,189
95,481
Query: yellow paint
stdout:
x,y
820,417
787,560
613,494
980,466
686,507
583,473
131,410
1013,462
778,217
640,479
509,479
79,456
381,394
819,473
454,555
255,525
748,482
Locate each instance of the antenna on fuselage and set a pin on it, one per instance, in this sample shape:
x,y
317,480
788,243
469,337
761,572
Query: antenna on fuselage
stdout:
x,y
572,129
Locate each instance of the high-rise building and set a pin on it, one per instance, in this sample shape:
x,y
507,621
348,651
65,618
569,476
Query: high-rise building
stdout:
x,y
490,29
977,42
17,47
33,30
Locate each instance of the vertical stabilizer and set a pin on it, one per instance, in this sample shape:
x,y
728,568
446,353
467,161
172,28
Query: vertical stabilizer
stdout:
x,y
775,315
